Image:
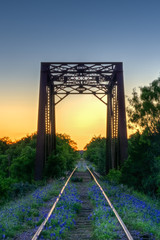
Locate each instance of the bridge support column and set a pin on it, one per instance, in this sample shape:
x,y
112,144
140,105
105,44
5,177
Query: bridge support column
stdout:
x,y
109,132
40,152
122,129
53,121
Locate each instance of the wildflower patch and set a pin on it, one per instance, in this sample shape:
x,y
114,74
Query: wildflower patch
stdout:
x,y
63,217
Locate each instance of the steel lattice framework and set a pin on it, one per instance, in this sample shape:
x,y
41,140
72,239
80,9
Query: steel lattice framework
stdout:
x,y
101,79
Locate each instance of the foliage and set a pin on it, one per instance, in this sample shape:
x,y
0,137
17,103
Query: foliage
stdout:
x,y
95,152
4,165
20,189
142,168
144,110
5,186
114,176
17,163
64,158
4,144
22,167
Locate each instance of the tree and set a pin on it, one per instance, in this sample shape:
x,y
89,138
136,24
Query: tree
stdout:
x,y
142,168
96,152
22,166
64,158
144,110
4,144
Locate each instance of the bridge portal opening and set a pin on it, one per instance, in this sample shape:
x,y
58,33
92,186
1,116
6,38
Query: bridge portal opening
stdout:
x,y
81,117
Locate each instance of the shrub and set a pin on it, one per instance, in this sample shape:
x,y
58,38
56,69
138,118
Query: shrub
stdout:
x,y
64,158
20,189
96,153
5,186
23,166
142,168
4,165
114,176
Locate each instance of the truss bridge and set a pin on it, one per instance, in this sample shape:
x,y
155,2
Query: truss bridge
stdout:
x,y
104,80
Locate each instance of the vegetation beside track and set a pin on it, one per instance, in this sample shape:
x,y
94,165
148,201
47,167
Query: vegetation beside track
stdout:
x,y
17,164
20,215
95,152
63,217
140,172
104,221
140,213
142,168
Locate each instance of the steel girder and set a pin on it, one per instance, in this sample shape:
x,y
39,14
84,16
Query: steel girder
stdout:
x,y
101,79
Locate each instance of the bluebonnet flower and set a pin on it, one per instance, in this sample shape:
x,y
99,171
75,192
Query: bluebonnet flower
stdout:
x,y
16,213
123,202
63,215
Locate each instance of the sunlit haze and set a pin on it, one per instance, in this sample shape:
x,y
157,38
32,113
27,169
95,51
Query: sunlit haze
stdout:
x,y
81,118
106,31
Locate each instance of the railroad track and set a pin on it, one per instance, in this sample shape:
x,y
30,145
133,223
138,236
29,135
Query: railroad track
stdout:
x,y
83,227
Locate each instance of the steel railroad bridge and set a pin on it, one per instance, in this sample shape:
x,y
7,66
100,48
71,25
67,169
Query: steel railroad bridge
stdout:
x,y
104,80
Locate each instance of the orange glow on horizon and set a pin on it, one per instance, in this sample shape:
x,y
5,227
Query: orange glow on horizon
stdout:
x,y
81,117
17,120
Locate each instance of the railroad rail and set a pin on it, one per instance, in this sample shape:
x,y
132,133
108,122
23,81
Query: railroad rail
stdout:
x,y
41,227
113,209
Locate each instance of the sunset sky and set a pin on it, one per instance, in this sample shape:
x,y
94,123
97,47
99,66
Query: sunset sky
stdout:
x,y
35,31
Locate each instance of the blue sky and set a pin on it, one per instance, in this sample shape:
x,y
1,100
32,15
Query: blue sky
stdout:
x,y
37,31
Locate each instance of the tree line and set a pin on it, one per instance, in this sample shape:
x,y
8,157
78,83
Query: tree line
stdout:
x,y
17,161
